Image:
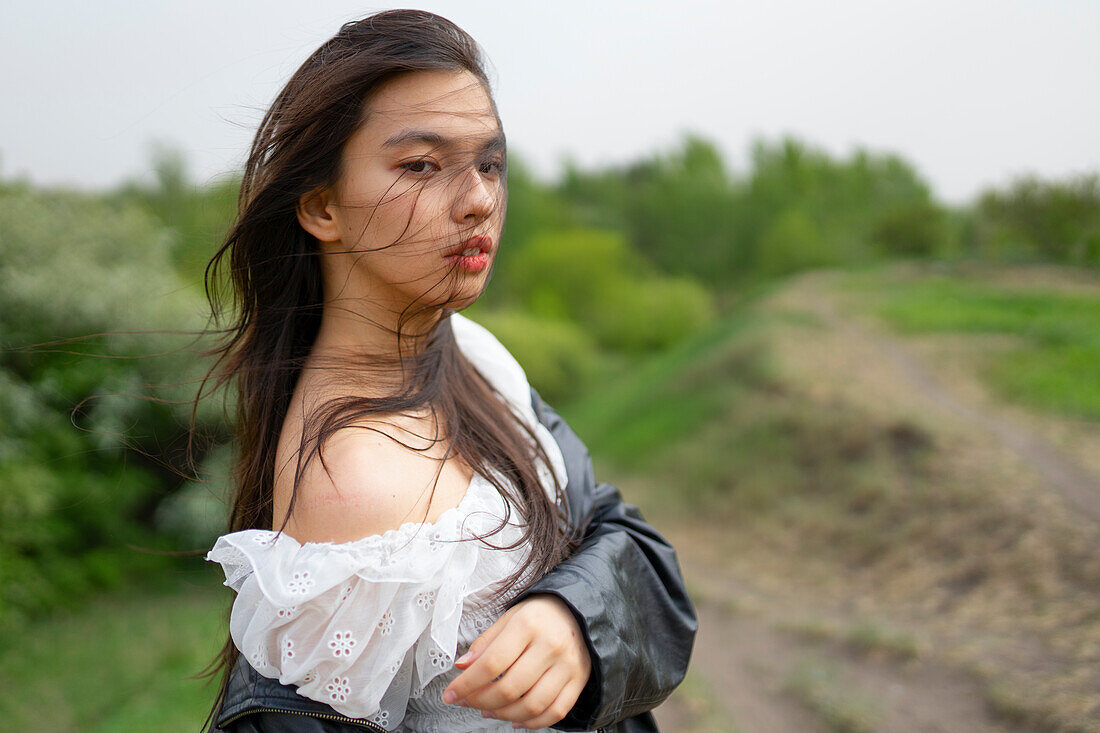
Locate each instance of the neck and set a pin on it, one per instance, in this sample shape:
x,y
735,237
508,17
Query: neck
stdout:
x,y
361,336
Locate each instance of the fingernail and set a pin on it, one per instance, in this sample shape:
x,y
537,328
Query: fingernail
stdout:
x,y
463,659
486,714
448,697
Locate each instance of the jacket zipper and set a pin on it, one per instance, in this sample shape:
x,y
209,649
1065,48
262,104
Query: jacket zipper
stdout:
x,y
324,716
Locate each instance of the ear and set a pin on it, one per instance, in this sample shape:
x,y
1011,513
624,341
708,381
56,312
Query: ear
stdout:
x,y
317,214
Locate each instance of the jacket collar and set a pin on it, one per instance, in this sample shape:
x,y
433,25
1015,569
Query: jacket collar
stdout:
x,y
249,691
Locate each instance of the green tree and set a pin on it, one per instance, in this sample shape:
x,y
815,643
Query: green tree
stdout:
x,y
1052,220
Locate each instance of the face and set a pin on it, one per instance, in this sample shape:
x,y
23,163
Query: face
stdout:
x,y
421,178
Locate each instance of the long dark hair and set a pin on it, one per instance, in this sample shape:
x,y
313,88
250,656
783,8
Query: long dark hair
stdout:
x,y
271,268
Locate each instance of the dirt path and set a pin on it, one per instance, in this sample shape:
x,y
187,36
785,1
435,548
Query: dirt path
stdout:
x,y
1061,473
753,670
762,677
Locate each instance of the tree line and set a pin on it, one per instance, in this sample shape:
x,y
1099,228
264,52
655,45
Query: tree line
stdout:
x,y
101,311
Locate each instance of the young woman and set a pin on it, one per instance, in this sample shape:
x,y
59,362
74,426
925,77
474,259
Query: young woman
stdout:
x,y
417,541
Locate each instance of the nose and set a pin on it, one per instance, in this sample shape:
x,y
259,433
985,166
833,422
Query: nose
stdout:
x,y
475,198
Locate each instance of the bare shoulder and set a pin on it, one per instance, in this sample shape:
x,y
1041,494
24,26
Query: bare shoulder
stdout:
x,y
368,483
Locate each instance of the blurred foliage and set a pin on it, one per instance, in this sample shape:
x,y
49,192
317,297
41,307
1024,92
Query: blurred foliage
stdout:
x,y
558,356
1057,221
594,279
123,661
95,325
795,208
198,216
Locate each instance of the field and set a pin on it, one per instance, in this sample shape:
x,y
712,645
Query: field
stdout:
x,y
884,486
121,664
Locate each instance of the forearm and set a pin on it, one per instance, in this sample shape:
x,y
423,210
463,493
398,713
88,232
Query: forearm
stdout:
x,y
625,588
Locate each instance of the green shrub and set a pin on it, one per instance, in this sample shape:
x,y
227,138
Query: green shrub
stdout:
x,y
793,242
650,314
560,359
592,278
1052,220
915,229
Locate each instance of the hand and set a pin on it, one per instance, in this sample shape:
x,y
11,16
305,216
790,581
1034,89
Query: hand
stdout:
x,y
529,667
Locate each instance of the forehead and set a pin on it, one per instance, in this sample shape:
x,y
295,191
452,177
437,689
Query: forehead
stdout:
x,y
451,103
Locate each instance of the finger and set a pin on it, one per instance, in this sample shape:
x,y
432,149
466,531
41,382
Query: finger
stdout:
x,y
538,697
556,710
483,641
532,664
494,661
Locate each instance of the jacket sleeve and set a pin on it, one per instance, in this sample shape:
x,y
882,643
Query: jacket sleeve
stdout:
x,y
623,585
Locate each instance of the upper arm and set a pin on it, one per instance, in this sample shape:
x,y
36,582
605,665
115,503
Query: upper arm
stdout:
x,y
362,483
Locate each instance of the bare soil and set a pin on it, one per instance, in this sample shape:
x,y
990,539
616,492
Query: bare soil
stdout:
x,y
776,650
748,658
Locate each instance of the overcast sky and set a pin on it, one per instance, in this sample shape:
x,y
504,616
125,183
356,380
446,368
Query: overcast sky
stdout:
x,y
971,93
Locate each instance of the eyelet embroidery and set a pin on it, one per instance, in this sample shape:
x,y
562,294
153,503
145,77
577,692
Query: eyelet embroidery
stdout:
x,y
342,644
258,658
425,600
287,612
346,593
287,650
338,689
382,717
439,658
300,583
385,624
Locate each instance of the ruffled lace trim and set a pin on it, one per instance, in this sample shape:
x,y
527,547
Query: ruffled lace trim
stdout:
x,y
365,625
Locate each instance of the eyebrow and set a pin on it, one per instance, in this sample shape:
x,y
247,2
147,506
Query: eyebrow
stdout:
x,y
492,143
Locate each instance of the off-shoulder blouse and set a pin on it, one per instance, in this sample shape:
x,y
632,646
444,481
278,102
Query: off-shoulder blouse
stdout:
x,y
372,627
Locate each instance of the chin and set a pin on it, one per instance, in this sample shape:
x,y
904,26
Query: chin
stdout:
x,y
459,297
458,303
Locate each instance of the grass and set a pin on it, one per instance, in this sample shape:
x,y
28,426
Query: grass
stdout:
x,y
120,664
699,707
873,639
1017,705
1056,366
864,637
814,683
634,416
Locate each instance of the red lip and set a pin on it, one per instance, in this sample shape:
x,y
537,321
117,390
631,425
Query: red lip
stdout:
x,y
482,242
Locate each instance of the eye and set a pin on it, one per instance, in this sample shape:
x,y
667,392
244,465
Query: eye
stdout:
x,y
494,167
419,166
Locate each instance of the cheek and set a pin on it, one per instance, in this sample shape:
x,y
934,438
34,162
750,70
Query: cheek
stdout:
x,y
426,212
378,221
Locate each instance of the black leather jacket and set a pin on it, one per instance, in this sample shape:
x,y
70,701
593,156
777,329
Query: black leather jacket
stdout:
x,y
623,585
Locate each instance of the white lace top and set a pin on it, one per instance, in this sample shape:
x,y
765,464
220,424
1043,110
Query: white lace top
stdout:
x,y
372,627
